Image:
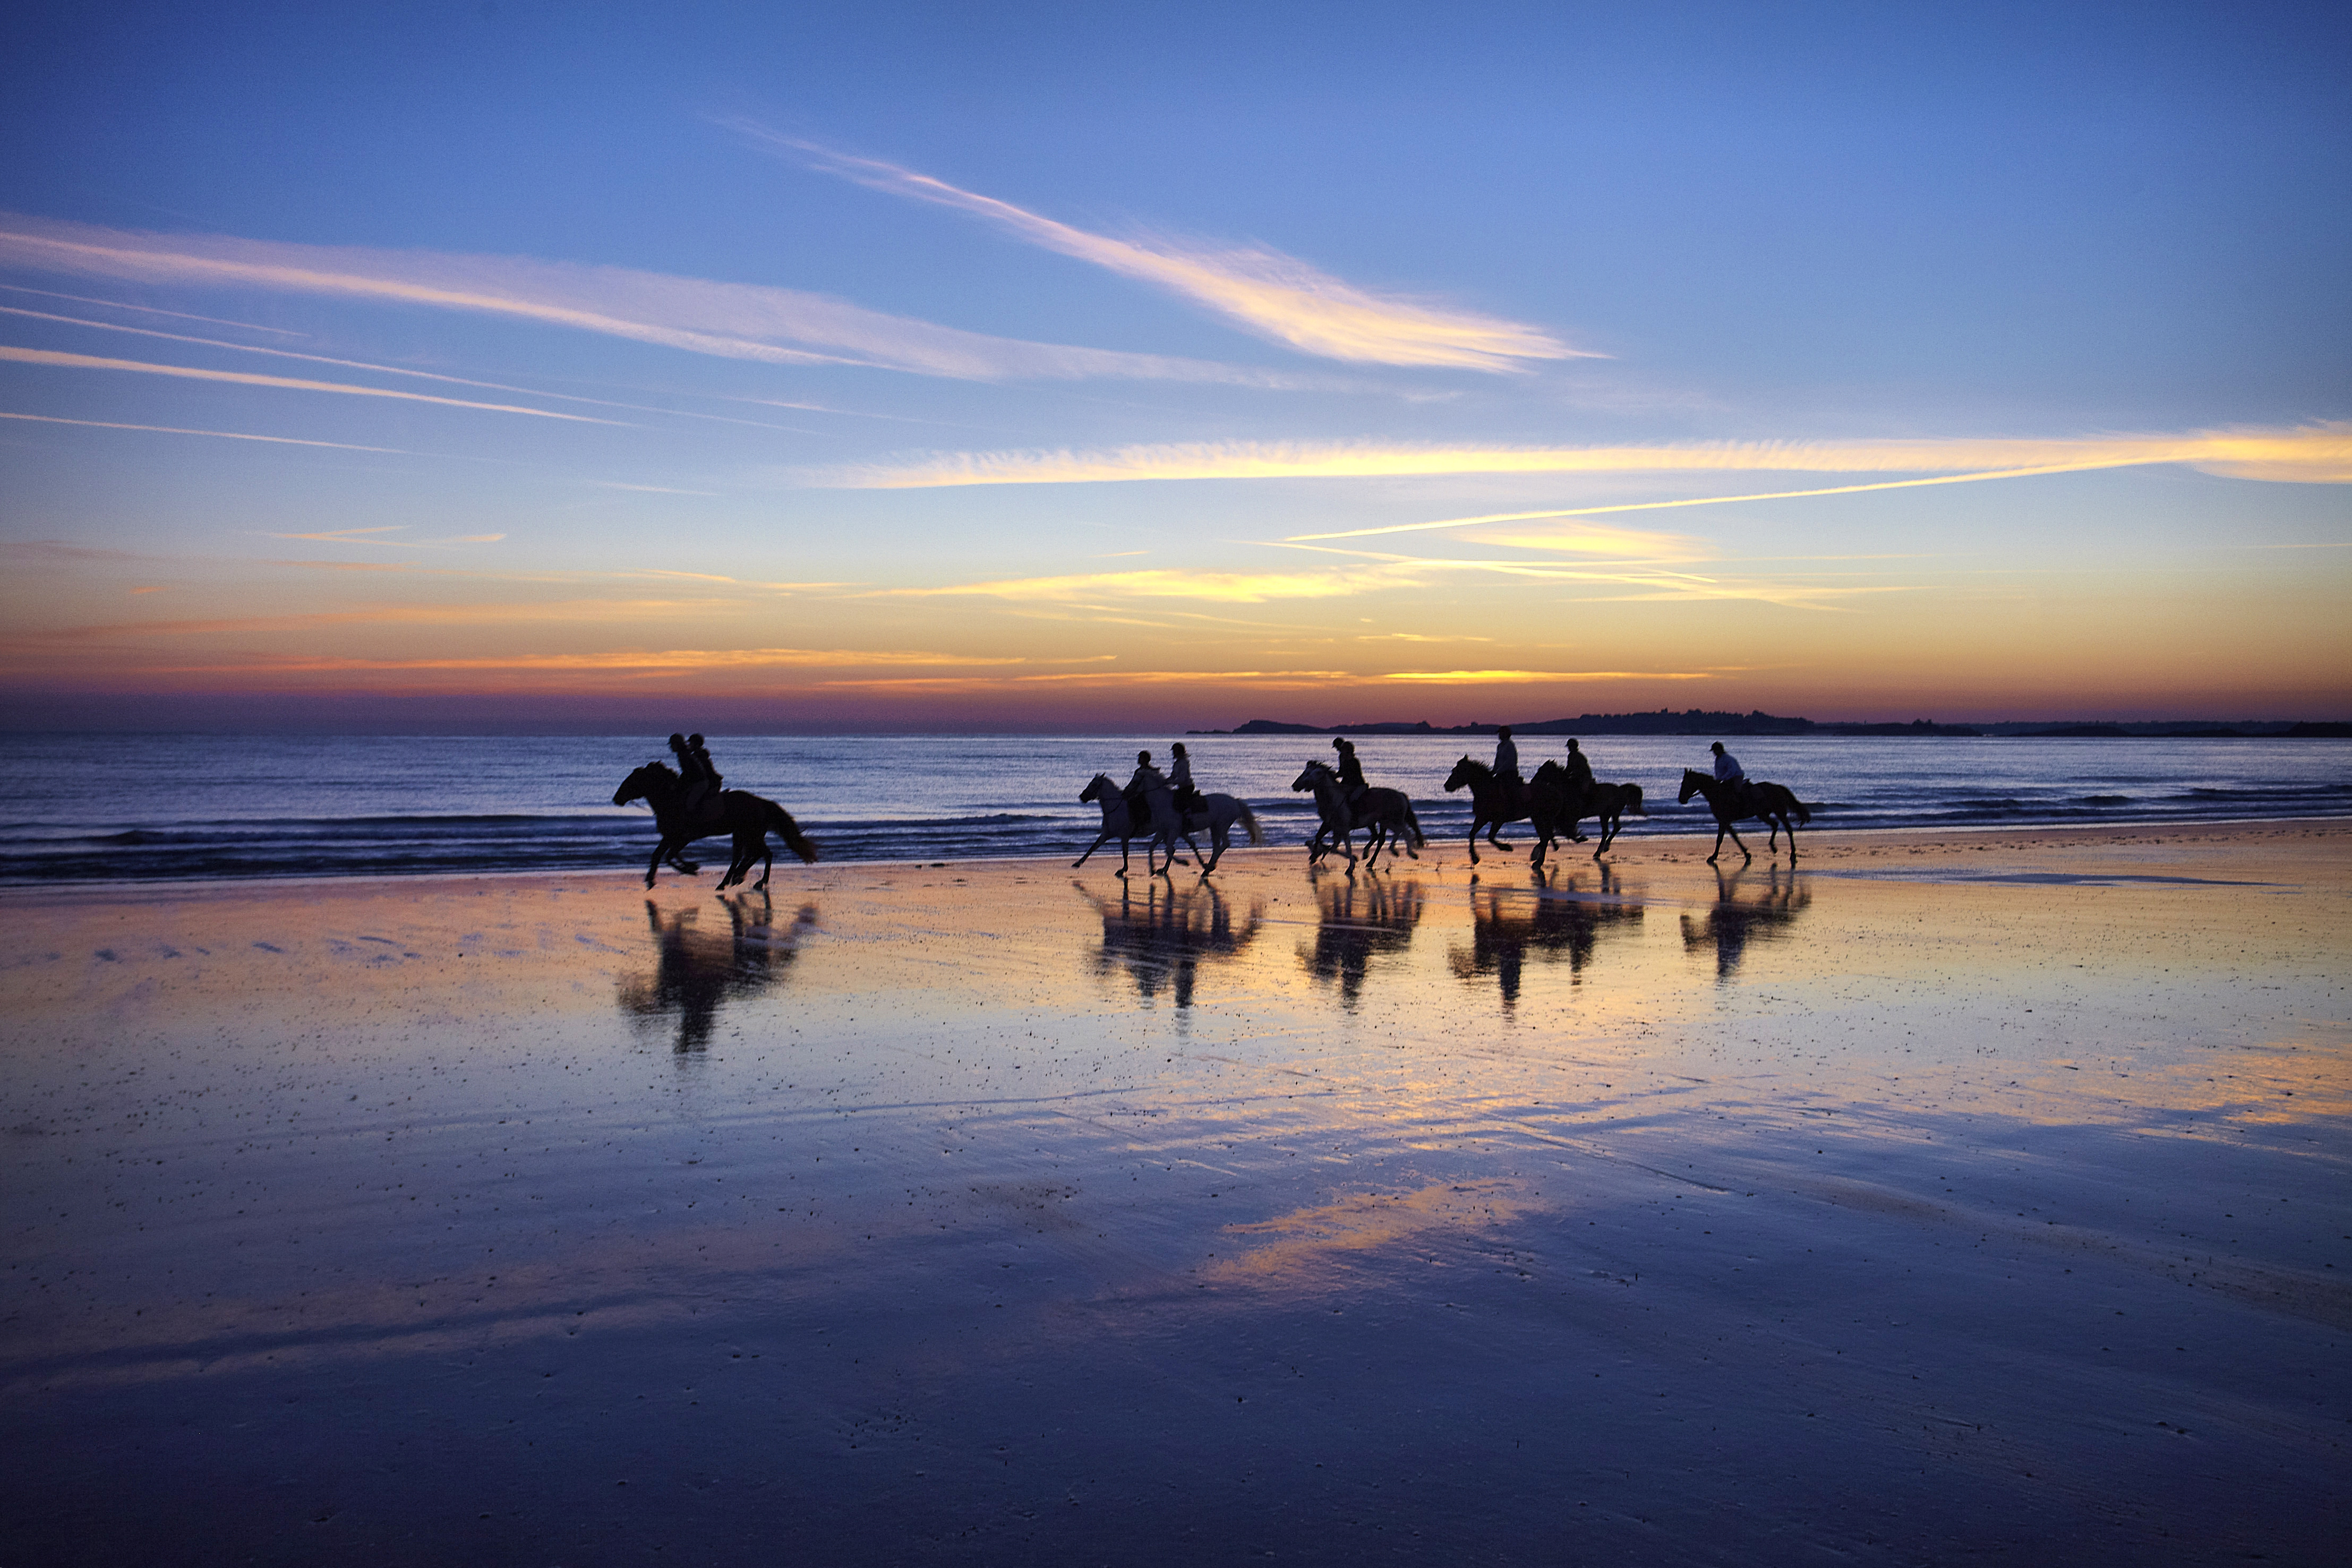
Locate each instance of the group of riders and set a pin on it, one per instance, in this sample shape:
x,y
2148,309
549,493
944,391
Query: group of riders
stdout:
x,y
702,782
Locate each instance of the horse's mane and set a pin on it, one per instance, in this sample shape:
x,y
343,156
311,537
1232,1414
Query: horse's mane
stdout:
x,y
661,767
1475,766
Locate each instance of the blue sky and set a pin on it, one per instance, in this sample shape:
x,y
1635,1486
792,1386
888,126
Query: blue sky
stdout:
x,y
1189,283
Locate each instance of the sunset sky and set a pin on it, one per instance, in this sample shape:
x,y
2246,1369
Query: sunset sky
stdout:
x,y
774,367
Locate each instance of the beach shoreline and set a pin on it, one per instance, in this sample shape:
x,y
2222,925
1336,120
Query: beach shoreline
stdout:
x,y
1950,1193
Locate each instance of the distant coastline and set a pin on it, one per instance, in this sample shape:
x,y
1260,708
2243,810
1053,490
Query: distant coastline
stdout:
x,y
1700,721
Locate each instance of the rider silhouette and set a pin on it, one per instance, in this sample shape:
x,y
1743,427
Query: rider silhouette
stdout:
x,y
1578,768
1180,779
1506,766
1729,771
1139,787
695,770
1351,772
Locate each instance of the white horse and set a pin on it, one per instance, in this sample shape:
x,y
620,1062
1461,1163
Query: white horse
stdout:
x,y
1220,813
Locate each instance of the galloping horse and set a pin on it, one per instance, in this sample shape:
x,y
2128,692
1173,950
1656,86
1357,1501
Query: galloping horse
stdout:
x,y
1489,808
1386,815
1772,804
1554,806
748,817
1223,811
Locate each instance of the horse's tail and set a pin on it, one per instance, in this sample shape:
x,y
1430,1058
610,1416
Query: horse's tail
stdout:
x,y
1633,798
780,822
1249,820
1420,839
1803,814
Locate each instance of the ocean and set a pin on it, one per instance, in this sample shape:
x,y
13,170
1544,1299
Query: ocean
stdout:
x,y
160,807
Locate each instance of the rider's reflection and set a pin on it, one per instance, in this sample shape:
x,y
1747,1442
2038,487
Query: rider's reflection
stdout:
x,y
1734,922
1507,927
698,967
1162,938
1355,920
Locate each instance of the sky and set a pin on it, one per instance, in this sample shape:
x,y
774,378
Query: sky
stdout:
x,y
509,367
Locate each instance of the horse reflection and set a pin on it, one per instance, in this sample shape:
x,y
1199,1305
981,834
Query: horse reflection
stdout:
x,y
1734,922
1163,938
1506,928
1355,921
696,969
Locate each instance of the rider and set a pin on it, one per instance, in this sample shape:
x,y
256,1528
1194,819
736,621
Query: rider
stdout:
x,y
1139,787
1506,766
695,771
1180,779
1729,771
1578,768
1351,772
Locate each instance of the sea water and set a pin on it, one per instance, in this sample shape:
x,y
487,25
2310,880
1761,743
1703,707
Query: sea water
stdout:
x,y
103,806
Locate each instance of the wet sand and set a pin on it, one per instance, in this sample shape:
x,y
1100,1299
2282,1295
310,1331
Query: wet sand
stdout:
x,y
1971,1195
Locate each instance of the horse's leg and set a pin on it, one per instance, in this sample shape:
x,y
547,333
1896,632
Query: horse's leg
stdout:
x,y
1122,856
1745,852
655,865
767,864
1474,838
1100,838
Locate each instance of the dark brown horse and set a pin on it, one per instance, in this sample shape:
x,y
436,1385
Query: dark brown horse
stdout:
x,y
1492,803
1772,804
1555,809
748,817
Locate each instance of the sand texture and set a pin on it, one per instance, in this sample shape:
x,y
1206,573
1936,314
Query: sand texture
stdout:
x,y
1973,1197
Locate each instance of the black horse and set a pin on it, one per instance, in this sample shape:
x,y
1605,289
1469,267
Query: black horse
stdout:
x,y
1773,804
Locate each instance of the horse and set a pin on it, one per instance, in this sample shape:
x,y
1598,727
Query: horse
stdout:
x,y
1772,804
1552,802
748,817
1386,815
1488,809
1221,812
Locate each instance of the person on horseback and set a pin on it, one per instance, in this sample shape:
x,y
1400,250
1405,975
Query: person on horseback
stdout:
x,y
1729,771
1180,779
1351,772
695,771
1506,767
1139,787
1578,768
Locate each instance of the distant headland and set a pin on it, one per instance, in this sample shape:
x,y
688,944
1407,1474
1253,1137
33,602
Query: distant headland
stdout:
x,y
1701,721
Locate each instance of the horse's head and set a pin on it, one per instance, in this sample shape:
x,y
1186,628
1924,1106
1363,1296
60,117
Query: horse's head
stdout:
x,y
1550,769
1465,771
1100,788
642,782
1693,783
1311,774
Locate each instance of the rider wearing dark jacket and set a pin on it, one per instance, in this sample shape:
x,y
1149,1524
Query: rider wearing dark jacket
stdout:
x,y
1351,772
1578,768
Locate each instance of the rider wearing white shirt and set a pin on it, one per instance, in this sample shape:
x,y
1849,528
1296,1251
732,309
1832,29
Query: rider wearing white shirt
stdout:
x,y
1727,766
1180,779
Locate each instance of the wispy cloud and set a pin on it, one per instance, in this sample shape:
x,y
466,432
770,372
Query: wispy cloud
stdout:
x,y
2315,454
1266,292
732,320
244,378
153,310
1526,677
1221,587
375,537
218,434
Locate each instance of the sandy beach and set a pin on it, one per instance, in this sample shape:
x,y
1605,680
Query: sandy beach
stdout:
x,y
1950,1196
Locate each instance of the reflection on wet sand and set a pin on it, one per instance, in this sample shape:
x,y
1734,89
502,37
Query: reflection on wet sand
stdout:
x,y
1764,915
697,968
1357,920
1507,924
1168,934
